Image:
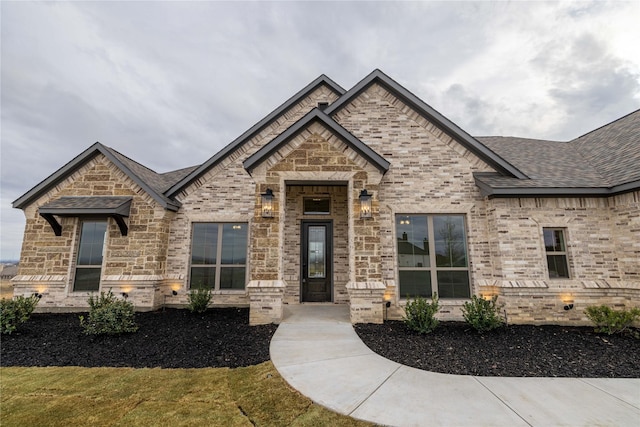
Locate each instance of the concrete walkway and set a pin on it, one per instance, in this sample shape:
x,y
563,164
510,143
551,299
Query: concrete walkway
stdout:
x,y
318,353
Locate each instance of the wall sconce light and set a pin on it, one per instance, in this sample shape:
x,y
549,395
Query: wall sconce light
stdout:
x,y
267,203
37,295
174,293
365,204
125,295
568,307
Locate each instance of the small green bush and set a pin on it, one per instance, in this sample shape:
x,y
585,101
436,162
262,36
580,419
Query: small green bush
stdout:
x,y
16,311
108,315
482,314
199,300
420,314
611,321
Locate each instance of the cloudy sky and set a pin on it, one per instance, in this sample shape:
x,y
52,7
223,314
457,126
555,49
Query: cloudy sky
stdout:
x,y
170,83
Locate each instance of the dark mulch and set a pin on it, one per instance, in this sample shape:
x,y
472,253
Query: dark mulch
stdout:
x,y
223,338
516,350
168,339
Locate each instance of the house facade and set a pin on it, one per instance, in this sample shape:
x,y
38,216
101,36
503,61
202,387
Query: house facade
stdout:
x,y
363,197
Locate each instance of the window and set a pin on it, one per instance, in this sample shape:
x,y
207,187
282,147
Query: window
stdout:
x,y
317,206
89,262
432,256
218,255
554,245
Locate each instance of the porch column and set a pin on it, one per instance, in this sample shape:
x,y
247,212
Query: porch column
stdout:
x,y
366,302
265,301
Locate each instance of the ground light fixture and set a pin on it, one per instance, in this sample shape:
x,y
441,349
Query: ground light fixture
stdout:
x,y
266,199
365,204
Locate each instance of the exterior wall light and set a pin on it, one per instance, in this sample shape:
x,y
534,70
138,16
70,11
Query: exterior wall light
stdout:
x,y
125,295
568,307
365,204
267,203
174,293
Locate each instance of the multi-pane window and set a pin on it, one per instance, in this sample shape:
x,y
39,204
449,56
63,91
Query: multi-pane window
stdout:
x,y
554,245
432,256
218,255
89,261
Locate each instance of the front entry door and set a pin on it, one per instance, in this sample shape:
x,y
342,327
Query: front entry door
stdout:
x,y
316,248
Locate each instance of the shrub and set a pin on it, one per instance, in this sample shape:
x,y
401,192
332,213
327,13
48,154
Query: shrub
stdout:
x,y
199,300
16,311
482,314
611,321
108,315
420,314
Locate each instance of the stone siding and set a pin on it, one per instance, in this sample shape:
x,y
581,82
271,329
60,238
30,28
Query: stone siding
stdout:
x,y
48,261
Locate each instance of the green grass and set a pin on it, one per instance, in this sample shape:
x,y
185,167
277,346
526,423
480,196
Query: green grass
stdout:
x,y
65,396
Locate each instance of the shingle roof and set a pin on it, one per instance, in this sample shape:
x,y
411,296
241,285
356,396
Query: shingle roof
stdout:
x,y
153,183
614,149
85,203
604,161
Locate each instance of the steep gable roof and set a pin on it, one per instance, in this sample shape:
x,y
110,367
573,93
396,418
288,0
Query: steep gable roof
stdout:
x,y
316,115
430,114
148,180
254,130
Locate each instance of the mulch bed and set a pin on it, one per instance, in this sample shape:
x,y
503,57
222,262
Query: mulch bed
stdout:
x,y
174,338
168,338
515,351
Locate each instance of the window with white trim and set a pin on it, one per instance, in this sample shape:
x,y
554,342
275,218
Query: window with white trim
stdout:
x,y
556,250
432,256
89,260
218,256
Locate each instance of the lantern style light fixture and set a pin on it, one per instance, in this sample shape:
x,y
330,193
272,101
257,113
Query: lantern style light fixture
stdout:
x,y
267,203
365,204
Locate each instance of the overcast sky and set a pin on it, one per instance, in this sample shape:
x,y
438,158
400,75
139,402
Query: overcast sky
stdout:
x,y
170,83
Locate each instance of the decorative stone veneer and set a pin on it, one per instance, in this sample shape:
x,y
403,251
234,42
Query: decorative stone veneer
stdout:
x,y
294,214
366,302
134,263
265,301
226,193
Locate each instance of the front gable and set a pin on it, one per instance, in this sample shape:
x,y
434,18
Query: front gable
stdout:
x,y
332,149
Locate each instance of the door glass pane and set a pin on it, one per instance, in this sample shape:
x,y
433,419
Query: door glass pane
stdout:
x,y
451,244
232,277
413,241
234,243
415,283
205,243
316,255
453,284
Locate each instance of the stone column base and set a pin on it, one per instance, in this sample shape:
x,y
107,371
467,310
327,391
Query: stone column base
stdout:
x,y
366,302
265,301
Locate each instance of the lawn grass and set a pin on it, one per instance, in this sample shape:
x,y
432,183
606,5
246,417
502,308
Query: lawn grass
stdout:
x,y
66,396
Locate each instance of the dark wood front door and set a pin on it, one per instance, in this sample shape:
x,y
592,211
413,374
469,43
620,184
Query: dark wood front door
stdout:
x,y
317,254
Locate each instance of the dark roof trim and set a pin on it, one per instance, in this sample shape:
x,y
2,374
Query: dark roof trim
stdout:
x,y
79,206
316,115
605,125
254,130
491,192
432,115
77,162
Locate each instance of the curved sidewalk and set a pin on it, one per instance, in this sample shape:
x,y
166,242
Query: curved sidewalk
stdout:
x,y
318,353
